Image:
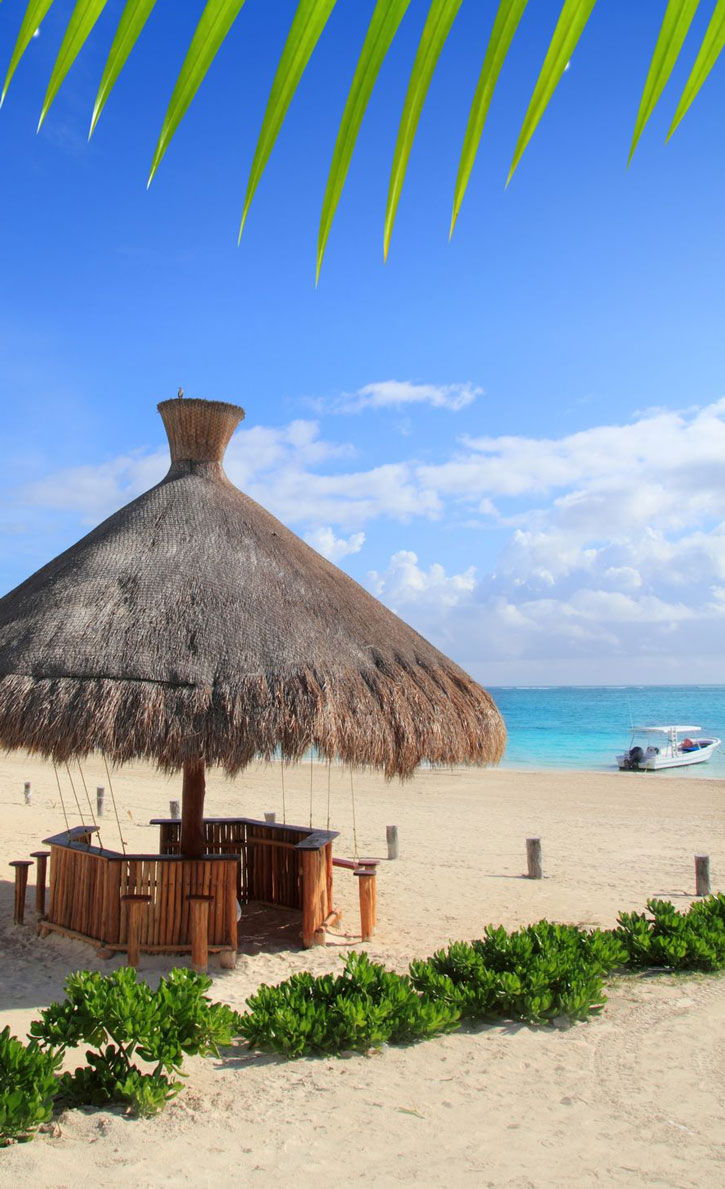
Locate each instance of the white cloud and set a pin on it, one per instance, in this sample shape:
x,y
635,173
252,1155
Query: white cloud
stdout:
x,y
404,584
334,548
386,394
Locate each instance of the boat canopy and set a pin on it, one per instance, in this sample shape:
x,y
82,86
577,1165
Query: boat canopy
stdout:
x,y
667,730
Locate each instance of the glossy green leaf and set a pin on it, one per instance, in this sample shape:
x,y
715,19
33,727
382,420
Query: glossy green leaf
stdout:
x,y
674,29
710,50
309,21
570,26
383,26
34,15
441,16
133,18
215,22
507,21
83,18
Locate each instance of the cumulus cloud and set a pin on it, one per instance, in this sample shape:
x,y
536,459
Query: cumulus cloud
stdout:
x,y
396,394
334,548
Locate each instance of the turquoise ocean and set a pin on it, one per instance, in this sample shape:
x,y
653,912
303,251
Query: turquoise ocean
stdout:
x,y
586,726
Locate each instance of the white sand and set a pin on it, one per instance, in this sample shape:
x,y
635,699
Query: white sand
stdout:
x,y
635,1097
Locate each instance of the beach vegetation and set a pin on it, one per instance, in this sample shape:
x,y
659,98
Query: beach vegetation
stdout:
x,y
664,936
28,1086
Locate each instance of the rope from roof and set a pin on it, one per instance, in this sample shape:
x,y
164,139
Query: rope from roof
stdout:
x,y
354,822
329,766
90,806
284,801
115,808
62,802
75,794
311,774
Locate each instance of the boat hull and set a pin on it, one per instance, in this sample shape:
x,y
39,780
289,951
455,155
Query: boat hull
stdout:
x,y
655,763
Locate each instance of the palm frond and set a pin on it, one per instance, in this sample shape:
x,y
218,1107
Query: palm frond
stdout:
x,y
214,23
35,14
441,15
83,18
673,31
710,50
507,21
307,25
570,26
382,29
133,18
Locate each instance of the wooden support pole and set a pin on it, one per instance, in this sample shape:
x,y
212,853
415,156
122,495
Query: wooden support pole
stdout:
x,y
391,833
42,857
270,817
702,875
28,792
328,878
21,883
199,928
193,838
136,906
366,885
533,857
100,794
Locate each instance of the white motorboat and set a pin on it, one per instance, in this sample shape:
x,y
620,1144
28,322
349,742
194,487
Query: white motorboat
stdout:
x,y
652,748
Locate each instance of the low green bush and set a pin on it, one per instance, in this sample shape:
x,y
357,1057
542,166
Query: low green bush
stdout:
x,y
124,1020
365,1006
690,940
533,974
28,1085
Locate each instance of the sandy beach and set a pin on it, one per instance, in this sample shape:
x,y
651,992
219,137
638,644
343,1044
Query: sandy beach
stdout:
x,y
635,1097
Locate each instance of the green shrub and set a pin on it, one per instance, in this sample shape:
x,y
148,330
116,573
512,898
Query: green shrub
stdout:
x,y
690,940
363,1007
533,974
124,1019
28,1085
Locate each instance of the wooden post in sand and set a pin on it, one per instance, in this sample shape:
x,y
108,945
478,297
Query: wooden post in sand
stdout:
x,y
270,817
100,794
533,858
702,875
199,927
28,792
42,857
366,877
136,905
391,834
21,883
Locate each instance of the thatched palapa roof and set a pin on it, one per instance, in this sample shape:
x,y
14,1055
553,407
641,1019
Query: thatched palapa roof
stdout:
x,y
193,624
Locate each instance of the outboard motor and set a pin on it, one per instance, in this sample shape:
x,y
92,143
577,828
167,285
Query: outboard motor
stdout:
x,y
635,757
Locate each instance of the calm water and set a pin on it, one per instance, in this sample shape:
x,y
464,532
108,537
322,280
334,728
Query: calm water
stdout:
x,y
585,726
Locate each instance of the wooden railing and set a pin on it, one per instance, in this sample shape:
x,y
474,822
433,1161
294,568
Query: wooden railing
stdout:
x,y
88,885
279,864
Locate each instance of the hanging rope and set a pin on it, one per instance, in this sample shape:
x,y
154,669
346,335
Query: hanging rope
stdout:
x,y
354,822
329,766
75,794
62,802
115,809
311,770
90,806
284,801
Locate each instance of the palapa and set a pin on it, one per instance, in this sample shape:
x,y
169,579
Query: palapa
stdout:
x,y
191,627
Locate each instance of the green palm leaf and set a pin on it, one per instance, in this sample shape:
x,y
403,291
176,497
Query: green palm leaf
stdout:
x,y
214,24
570,26
383,26
133,18
34,15
712,45
675,25
441,16
309,21
83,18
507,21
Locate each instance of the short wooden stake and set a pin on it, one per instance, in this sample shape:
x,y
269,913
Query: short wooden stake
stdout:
x,y
367,902
391,833
21,883
702,875
270,817
100,794
228,959
136,905
175,810
41,856
28,793
199,925
533,857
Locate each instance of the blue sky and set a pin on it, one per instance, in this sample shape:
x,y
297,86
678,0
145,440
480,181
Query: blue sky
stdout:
x,y
515,439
